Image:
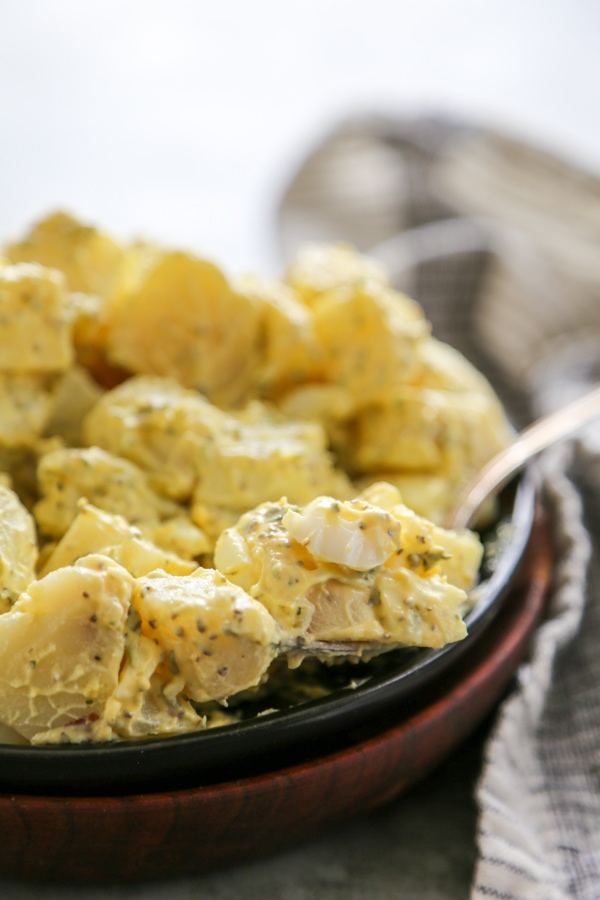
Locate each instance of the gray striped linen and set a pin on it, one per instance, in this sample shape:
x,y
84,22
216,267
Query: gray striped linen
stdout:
x,y
500,243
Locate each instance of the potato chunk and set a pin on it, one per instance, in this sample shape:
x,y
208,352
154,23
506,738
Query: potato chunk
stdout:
x,y
89,259
35,321
368,335
73,397
160,426
27,401
108,482
318,268
265,462
178,535
216,638
18,548
289,353
185,322
145,703
428,430
61,647
95,531
430,496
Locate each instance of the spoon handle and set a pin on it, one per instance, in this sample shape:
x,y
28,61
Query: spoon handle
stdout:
x,y
531,441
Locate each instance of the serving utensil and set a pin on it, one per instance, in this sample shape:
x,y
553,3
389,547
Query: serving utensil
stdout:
x,y
262,741
538,436
273,729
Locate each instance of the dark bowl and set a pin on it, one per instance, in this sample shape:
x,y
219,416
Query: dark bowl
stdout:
x,y
267,742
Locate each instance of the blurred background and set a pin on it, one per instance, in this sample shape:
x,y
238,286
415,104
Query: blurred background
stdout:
x,y
183,121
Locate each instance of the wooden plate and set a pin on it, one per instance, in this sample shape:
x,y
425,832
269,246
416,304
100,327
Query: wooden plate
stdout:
x,y
184,832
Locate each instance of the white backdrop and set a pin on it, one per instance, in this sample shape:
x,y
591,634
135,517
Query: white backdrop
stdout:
x,y
181,120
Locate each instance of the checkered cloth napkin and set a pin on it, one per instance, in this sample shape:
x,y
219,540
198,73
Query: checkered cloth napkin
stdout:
x,y
500,243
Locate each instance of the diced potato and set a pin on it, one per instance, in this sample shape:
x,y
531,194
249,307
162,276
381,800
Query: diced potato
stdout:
x,y
35,320
178,535
328,404
258,555
420,612
140,557
90,531
427,430
289,353
216,638
381,493
95,531
99,271
430,496
318,268
27,402
368,335
108,482
342,609
322,403
90,260
91,316
442,367
213,520
61,647
144,703
160,426
429,549
18,548
266,463
75,394
408,433
186,322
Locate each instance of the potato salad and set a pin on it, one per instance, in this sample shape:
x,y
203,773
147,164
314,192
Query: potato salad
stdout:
x,y
207,480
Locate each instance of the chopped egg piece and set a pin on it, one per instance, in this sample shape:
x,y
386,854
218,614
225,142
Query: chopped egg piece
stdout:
x,y
353,534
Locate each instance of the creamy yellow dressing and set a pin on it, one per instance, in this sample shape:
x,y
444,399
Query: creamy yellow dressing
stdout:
x,y
350,571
